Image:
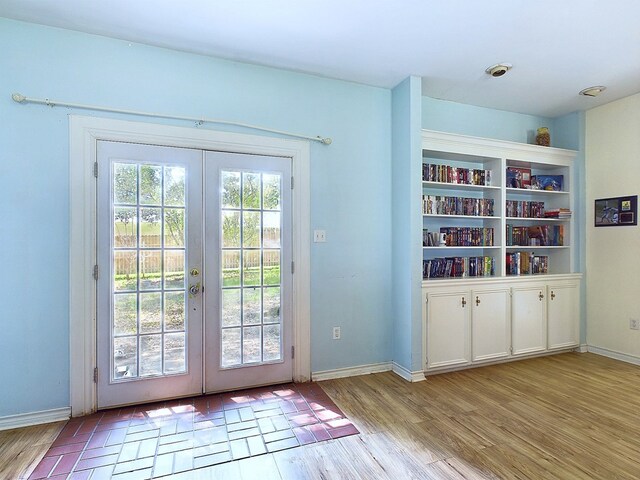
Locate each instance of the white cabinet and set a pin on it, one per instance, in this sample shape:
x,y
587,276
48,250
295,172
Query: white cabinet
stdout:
x,y
562,315
528,326
490,324
448,329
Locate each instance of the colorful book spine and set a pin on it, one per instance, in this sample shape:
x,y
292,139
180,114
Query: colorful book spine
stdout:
x,y
467,236
516,208
527,263
538,235
449,174
457,267
443,205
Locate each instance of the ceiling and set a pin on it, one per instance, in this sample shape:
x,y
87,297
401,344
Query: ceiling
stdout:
x,y
556,47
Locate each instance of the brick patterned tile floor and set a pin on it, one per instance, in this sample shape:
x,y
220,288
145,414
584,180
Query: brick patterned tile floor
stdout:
x,y
154,440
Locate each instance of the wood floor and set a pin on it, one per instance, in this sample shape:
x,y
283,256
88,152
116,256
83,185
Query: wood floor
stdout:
x,y
570,416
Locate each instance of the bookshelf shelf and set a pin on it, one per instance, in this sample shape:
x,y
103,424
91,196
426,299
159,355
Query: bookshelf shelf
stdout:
x,y
532,192
466,217
538,247
537,220
476,247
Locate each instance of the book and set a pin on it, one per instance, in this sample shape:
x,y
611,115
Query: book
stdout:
x,y
448,267
457,175
518,177
548,182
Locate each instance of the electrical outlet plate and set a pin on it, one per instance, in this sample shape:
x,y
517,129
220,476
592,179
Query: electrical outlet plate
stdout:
x,y
336,333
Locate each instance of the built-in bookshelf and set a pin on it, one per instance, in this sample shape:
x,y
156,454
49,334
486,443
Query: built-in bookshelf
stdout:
x,y
519,193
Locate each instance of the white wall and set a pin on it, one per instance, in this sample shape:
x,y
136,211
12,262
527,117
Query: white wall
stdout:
x,y
613,253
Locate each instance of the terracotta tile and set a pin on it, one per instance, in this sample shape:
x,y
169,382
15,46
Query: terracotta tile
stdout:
x,y
175,447
44,468
98,439
343,431
163,465
320,432
211,435
239,449
269,413
70,429
134,437
302,419
178,437
288,407
280,423
66,464
168,428
242,426
129,452
340,422
304,435
211,449
232,416
266,425
82,475
143,463
147,448
183,461
210,460
326,415
62,449
249,432
84,438
100,452
88,463
246,414
144,474
276,436
144,427
256,445
102,473
88,426
112,425
116,437
282,444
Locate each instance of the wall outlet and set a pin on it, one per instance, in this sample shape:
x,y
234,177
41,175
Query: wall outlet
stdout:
x,y
319,236
336,333
634,324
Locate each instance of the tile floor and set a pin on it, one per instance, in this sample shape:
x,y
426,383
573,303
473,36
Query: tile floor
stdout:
x,y
154,440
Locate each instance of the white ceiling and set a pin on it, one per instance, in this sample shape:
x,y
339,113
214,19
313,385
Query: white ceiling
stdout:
x,y
557,47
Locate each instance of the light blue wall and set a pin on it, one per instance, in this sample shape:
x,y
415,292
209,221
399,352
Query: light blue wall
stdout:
x,y
569,132
407,224
445,116
350,189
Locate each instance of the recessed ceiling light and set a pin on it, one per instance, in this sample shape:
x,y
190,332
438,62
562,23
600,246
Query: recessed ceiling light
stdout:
x,y
593,91
498,69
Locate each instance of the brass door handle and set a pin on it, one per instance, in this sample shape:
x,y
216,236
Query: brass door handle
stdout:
x,y
540,296
477,300
194,289
553,295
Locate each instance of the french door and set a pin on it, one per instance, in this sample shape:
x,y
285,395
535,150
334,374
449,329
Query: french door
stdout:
x,y
192,293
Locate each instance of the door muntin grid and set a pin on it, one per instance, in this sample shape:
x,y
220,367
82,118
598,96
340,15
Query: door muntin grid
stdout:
x,y
148,244
250,230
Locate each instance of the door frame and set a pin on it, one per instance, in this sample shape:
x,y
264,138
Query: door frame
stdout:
x,y
84,132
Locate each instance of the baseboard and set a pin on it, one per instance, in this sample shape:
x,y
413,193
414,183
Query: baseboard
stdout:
x,y
399,370
584,348
350,371
34,418
624,357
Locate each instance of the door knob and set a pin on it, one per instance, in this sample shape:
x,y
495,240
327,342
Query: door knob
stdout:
x,y
194,289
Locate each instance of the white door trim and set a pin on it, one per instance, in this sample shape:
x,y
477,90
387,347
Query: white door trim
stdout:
x,y
84,132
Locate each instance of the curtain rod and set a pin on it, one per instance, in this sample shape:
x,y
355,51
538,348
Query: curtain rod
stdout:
x,y
19,98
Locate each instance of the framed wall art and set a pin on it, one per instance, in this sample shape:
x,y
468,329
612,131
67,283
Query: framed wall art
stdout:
x,y
616,211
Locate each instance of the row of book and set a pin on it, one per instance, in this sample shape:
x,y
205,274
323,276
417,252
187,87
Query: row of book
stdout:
x,y
558,213
518,177
538,235
441,205
526,263
467,236
516,208
458,267
448,174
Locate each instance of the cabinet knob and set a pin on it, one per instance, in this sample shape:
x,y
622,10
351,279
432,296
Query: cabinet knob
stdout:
x,y
553,295
477,300
540,296
464,302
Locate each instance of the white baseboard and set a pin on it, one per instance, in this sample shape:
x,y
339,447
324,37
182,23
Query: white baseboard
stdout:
x,y
350,371
417,376
34,418
624,357
584,348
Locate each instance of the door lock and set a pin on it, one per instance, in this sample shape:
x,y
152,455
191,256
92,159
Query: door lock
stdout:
x,y
194,289
194,272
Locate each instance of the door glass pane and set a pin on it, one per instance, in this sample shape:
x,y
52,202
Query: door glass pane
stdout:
x,y
125,270
150,355
250,232
271,229
231,307
251,229
151,227
150,269
230,229
250,190
149,321
150,185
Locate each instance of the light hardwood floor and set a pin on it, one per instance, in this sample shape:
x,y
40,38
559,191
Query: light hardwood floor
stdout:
x,y
570,416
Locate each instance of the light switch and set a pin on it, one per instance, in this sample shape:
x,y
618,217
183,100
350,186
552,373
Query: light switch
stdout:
x,y
319,236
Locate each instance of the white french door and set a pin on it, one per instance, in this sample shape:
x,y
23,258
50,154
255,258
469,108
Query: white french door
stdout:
x,y
192,291
248,270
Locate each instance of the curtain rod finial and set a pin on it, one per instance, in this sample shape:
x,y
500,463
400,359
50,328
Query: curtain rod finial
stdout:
x,y
17,97
325,140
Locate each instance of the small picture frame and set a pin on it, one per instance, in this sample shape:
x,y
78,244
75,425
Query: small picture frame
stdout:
x,y
616,211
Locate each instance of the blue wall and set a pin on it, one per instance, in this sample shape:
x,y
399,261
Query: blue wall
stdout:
x,y
350,188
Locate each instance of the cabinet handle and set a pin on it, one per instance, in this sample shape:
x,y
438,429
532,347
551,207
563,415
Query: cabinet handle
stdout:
x,y
464,302
477,300
553,295
540,296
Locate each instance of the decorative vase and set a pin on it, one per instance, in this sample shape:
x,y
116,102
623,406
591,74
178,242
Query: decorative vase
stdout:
x,y
542,137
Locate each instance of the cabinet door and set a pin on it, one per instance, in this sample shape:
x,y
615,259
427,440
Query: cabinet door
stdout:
x,y
528,323
563,315
490,324
448,315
